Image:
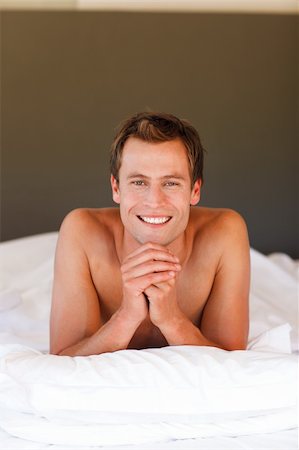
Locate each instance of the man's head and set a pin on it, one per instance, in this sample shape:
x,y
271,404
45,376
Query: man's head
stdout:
x,y
154,128
156,172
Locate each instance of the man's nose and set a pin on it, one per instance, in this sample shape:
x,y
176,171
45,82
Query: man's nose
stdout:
x,y
155,196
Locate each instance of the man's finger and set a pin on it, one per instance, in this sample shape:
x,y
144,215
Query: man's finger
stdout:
x,y
148,256
150,267
149,246
153,279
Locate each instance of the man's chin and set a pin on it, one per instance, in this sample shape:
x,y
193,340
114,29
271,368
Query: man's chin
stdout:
x,y
159,236
154,239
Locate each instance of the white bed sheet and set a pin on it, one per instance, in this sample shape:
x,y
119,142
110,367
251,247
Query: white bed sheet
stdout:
x,y
280,440
25,293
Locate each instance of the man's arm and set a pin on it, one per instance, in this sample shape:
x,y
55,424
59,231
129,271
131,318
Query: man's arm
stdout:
x,y
75,325
225,319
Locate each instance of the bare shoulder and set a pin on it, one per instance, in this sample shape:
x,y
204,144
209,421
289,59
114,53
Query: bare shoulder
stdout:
x,y
81,219
216,220
218,229
90,226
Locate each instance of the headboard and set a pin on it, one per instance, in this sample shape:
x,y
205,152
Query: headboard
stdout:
x,y
69,77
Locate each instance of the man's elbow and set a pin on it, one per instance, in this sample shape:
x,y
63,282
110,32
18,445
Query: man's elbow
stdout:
x,y
58,350
236,345
55,351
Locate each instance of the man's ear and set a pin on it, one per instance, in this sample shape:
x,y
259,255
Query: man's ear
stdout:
x,y
115,189
195,193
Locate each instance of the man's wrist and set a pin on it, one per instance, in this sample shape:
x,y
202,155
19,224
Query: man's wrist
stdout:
x,y
173,326
128,319
182,331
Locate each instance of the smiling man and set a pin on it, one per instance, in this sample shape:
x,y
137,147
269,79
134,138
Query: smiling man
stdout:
x,y
158,270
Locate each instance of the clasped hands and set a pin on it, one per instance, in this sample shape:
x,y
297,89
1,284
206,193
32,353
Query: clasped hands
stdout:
x,y
149,285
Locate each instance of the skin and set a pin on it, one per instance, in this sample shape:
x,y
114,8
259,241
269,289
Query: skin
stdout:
x,y
122,283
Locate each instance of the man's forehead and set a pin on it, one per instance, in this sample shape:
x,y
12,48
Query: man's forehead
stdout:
x,y
171,151
155,160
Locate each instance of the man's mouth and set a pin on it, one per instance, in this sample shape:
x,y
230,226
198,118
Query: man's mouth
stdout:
x,y
154,220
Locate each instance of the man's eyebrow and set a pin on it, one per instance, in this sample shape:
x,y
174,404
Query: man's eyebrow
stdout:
x,y
136,175
165,177
176,176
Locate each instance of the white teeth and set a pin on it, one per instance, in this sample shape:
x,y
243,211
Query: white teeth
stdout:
x,y
156,220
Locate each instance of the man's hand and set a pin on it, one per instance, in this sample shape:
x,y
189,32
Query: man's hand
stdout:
x,y
163,306
148,269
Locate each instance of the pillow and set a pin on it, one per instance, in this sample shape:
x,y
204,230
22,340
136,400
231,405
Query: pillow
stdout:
x,y
273,294
181,391
25,289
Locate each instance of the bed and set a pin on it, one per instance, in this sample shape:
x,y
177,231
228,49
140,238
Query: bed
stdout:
x,y
180,397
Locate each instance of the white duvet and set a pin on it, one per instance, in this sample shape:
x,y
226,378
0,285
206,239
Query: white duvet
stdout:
x,y
143,396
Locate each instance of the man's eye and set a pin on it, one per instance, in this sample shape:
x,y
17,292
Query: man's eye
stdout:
x,y
171,183
138,183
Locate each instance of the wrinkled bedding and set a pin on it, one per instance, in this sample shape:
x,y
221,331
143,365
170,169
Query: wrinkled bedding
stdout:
x,y
136,397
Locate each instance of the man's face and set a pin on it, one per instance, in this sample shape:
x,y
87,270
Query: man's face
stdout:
x,y
154,190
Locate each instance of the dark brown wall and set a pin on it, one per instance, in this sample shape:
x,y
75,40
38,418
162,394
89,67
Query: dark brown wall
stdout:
x,y
68,78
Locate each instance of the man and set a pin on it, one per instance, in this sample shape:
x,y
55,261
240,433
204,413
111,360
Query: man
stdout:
x,y
157,271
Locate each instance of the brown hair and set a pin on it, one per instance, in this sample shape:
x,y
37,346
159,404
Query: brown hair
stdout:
x,y
158,127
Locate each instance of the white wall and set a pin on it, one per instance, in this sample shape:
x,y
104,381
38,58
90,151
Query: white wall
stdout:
x,y
259,6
